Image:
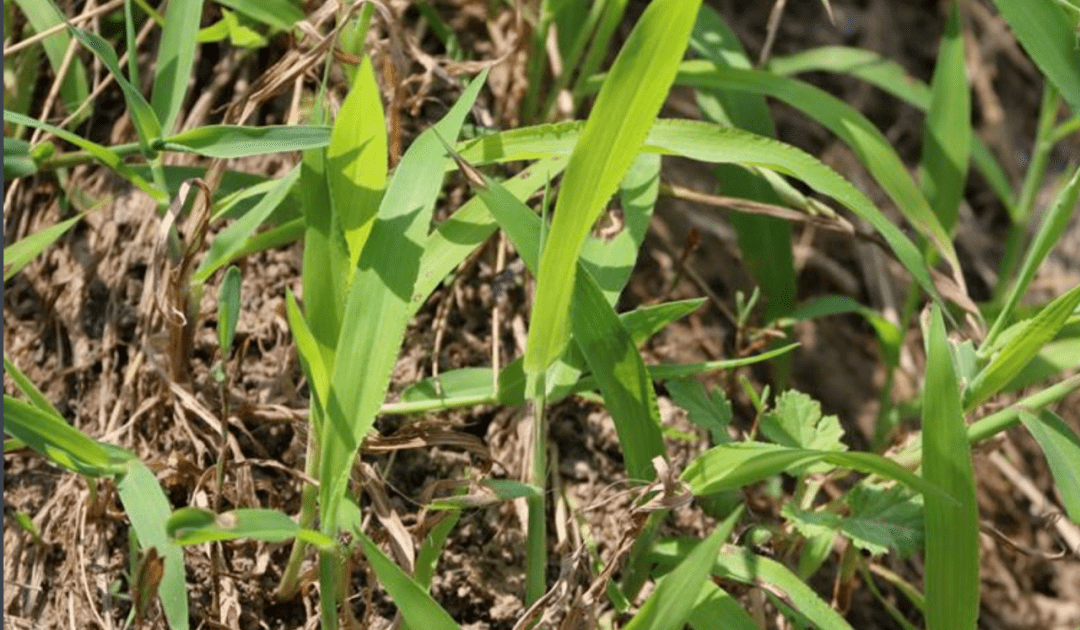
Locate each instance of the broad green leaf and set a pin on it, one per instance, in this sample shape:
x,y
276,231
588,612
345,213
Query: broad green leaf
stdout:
x,y
193,526
1049,36
233,141
230,240
228,310
147,507
734,465
103,154
1061,446
948,134
51,436
951,580
1051,229
1022,348
74,88
709,411
741,565
796,421
414,603
879,519
176,56
146,122
859,134
17,160
357,159
612,138
670,604
18,254
378,304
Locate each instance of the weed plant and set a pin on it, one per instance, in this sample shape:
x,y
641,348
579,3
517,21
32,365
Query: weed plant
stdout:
x,y
372,256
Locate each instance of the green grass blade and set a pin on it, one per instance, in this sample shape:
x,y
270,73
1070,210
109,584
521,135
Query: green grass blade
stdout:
x,y
610,261
194,526
668,607
176,56
378,304
26,386
470,226
1049,36
948,134
951,580
892,78
233,141
19,254
51,436
103,154
714,603
74,88
17,159
280,14
858,133
1021,348
148,508
1062,448
308,349
228,310
612,138
733,465
357,160
143,117
710,143
1053,226
230,240
413,601
608,348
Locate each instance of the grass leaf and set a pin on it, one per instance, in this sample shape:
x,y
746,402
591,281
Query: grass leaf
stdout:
x,y
1061,446
951,581
1043,28
610,141
19,254
193,526
234,141
176,56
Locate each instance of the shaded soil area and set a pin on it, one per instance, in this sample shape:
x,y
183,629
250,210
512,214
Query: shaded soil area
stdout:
x,y
86,323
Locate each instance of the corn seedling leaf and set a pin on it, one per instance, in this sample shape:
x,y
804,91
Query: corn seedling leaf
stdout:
x,y
612,138
357,160
1061,446
1029,338
176,56
234,141
947,140
951,581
